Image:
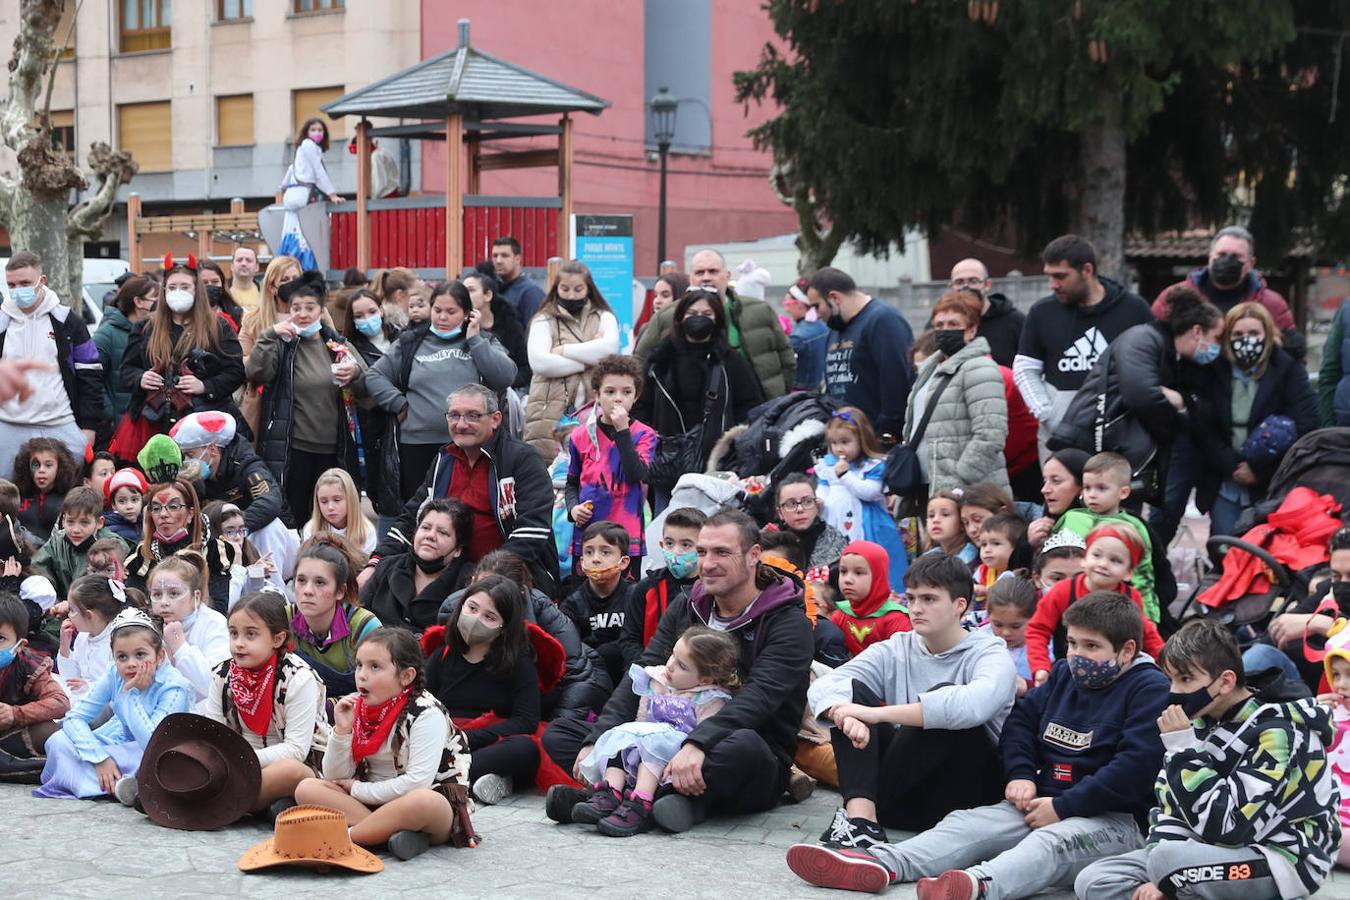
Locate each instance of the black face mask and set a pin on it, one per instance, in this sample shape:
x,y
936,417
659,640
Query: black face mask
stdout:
x,y
1191,702
1340,591
835,320
573,307
950,341
215,294
698,328
431,566
1226,271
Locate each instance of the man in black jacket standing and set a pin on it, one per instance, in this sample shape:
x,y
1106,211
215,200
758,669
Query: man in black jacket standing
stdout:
x,y
736,761
1000,322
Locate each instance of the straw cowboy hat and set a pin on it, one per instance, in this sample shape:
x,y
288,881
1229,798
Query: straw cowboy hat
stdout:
x,y
197,774
311,836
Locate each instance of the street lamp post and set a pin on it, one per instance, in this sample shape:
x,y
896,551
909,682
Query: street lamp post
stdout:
x,y
663,107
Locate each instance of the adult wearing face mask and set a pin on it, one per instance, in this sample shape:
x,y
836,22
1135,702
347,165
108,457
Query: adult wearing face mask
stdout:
x,y
1145,383
693,376
1253,381
185,358
134,302
407,589
428,363
66,402
311,379
868,343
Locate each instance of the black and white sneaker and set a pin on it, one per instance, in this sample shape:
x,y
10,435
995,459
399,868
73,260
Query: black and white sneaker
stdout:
x,y
853,834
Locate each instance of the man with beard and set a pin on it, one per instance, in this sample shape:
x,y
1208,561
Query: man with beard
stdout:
x,y
866,364
1067,331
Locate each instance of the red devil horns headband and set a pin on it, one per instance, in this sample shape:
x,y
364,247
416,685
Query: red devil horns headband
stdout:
x,y
169,264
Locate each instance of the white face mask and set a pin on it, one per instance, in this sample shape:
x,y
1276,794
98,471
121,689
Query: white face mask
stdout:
x,y
179,300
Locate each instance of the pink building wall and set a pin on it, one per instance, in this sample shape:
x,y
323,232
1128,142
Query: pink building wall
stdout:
x,y
597,46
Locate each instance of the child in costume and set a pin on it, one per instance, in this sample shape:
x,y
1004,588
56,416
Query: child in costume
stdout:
x,y
123,499
852,492
195,635
86,636
1337,664
868,611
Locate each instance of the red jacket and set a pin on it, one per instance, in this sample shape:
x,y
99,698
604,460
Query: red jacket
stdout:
x,y
1019,450
1045,626
1257,292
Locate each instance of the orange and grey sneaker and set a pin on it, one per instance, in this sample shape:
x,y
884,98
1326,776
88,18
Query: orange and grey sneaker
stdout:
x,y
839,867
953,884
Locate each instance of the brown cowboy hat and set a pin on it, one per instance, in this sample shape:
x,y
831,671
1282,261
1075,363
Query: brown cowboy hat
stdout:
x,y
311,836
197,774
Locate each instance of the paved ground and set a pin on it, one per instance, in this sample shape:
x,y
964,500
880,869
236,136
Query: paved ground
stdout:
x,y
103,850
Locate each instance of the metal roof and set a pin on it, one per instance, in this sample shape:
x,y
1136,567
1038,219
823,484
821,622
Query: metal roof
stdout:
x,y
1194,244
468,81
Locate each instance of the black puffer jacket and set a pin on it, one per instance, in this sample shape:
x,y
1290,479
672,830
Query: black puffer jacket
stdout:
x,y
242,478
585,685
225,372
391,594
1283,390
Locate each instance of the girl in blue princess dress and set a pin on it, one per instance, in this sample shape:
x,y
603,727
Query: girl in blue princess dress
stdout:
x,y
142,690
850,489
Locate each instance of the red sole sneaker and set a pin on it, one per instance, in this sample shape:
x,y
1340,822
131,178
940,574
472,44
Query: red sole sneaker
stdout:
x,y
844,869
954,884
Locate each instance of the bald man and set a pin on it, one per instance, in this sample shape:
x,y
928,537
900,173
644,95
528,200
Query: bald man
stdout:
x,y
1001,323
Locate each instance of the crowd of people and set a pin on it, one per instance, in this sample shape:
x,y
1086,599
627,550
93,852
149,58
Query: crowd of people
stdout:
x,y
417,547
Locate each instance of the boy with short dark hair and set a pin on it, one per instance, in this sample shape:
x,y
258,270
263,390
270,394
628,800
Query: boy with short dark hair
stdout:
x,y
649,598
916,717
31,700
65,556
1106,485
1246,799
1078,753
598,604
999,538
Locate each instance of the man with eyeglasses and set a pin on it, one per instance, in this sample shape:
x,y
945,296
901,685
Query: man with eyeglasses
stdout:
x,y
500,479
1000,322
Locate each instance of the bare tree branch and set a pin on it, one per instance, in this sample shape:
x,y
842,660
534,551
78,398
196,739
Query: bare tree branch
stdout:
x,y
113,169
32,54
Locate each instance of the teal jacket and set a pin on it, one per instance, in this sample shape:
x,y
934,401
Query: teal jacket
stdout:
x,y
111,340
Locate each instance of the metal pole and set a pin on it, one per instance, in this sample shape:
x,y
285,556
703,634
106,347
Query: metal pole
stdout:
x,y
664,150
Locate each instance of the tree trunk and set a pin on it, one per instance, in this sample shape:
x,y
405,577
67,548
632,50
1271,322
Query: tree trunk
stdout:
x,y
1102,209
816,244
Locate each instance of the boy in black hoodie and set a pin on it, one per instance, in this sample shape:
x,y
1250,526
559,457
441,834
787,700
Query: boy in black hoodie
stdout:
x,y
1078,751
648,599
599,605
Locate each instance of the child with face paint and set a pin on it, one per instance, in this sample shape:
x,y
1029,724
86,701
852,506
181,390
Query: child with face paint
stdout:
x,y
123,501
649,598
31,700
196,637
598,606
44,471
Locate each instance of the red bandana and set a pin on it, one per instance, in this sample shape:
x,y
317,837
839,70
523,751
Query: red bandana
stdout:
x,y
373,724
252,693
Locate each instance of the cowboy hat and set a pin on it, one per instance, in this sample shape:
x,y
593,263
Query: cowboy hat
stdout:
x,y
197,774
311,836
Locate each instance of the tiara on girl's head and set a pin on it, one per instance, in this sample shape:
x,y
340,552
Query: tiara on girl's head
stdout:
x,y
170,264
1064,538
131,616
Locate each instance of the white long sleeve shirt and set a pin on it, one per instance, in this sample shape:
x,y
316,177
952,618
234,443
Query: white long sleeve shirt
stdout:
x,y
574,358
426,743
207,646
290,734
90,658
308,168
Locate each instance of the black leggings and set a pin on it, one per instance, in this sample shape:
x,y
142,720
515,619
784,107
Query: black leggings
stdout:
x,y
916,776
302,472
414,462
515,757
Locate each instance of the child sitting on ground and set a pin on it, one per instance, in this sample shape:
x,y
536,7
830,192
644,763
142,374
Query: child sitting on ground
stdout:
x,y
141,691
693,685
86,639
44,471
1337,669
123,498
1112,553
946,534
598,604
196,637
1106,485
869,612
999,537
1245,803
1078,754
337,508
65,556
98,470
852,492
108,557
250,571
31,700
649,598
1011,604
980,502
1061,557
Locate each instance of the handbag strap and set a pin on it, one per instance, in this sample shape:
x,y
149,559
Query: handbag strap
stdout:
x,y
917,436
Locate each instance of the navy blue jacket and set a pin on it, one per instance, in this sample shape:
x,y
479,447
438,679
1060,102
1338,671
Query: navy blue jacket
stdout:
x,y
867,365
1095,752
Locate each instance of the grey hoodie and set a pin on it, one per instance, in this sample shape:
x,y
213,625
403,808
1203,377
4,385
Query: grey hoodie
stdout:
x,y
902,670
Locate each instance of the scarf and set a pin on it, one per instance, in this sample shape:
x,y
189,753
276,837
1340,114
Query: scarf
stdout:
x,y
250,688
373,724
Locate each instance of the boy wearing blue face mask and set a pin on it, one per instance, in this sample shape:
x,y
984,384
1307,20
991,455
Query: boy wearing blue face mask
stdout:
x,y
1246,799
650,596
1078,753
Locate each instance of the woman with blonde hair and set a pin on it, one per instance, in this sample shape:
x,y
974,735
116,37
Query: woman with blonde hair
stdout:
x,y
270,310
395,287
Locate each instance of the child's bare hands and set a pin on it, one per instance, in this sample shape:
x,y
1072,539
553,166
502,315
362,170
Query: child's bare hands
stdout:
x,y
981,592
108,775
581,514
344,714
343,784
1020,792
1040,812
1042,677
618,417
174,636
1147,891
12,568
1173,719
1022,686
68,632
1328,699
142,677
6,715
841,467
76,685
856,731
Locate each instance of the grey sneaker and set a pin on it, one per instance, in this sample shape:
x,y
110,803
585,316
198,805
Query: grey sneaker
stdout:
x,y
126,790
492,789
677,813
407,844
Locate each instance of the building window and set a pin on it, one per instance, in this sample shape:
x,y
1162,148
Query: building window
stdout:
x,y
234,121
306,105
233,9
145,131
145,25
63,130
311,6
65,30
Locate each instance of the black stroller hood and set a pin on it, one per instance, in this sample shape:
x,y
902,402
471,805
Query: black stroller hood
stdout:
x,y
1319,460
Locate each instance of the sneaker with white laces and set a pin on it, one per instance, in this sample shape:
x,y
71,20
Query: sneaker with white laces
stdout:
x,y
126,790
492,789
856,834
953,884
839,867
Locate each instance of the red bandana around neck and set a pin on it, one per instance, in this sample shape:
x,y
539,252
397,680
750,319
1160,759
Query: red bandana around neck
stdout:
x,y
252,693
373,724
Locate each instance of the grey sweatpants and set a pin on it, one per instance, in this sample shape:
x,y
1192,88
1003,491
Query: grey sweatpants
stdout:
x,y
994,842
1194,871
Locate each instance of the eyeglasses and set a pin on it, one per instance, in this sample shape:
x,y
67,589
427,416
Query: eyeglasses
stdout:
x,y
798,505
235,534
175,507
473,418
967,282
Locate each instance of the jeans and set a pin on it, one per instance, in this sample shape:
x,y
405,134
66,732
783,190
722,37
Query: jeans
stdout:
x,y
1267,656
1181,471
1178,862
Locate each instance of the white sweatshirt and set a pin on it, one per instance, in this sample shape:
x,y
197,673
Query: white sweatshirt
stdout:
x,y
207,646
426,740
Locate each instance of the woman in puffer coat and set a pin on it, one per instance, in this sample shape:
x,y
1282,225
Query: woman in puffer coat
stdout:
x,y
963,443
585,686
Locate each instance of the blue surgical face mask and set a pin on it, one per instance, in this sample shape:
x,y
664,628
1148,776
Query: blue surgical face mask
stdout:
x,y
1206,353
371,326
25,297
447,335
311,329
1094,674
681,565
206,469
7,656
